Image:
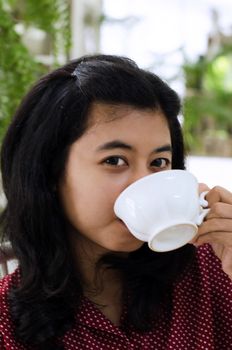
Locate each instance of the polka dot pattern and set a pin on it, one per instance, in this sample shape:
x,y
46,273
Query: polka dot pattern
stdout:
x,y
201,317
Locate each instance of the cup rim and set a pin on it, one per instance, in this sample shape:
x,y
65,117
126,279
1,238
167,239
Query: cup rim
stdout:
x,y
160,173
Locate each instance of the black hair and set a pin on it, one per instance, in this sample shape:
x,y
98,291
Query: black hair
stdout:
x,y
50,118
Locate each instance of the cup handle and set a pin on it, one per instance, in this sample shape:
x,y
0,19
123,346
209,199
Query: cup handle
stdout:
x,y
204,210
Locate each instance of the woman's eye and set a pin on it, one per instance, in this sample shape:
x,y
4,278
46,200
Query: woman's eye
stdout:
x,y
115,161
160,163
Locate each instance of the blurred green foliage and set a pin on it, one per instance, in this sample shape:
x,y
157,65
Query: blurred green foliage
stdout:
x,y
18,67
208,101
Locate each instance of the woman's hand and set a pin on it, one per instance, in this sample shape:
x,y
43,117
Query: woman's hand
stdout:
x,y
217,226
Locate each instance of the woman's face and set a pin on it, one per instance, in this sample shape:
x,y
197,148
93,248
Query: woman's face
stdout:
x,y
121,145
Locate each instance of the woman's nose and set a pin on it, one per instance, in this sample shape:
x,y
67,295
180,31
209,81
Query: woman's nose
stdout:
x,y
139,174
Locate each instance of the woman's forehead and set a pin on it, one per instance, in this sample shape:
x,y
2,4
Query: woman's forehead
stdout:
x,y
127,124
106,113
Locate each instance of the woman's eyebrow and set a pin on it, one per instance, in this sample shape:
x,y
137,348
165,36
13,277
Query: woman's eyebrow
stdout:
x,y
165,148
114,144
120,144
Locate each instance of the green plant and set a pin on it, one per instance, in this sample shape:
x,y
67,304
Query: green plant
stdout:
x,y
18,67
208,100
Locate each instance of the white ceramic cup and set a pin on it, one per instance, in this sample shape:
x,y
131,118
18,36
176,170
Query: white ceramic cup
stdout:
x,y
163,209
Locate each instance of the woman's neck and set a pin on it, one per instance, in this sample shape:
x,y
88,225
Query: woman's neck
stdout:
x,y
101,285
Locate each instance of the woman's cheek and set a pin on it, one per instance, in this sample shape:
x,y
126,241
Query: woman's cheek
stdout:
x,y
118,182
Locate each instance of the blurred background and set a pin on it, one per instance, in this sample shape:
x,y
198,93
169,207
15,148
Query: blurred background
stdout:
x,y
188,43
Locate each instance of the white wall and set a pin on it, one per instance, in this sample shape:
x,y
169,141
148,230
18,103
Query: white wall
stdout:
x,y
212,170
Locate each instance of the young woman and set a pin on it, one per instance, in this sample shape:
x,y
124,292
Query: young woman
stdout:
x,y
82,135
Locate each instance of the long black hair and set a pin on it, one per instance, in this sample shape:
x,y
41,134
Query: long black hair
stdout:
x,y
50,118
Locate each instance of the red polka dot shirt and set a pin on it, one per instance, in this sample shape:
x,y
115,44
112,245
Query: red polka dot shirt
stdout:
x,y
201,316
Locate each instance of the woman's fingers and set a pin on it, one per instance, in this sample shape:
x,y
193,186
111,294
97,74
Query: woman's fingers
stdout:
x,y
203,187
219,237
216,229
220,210
219,194
217,226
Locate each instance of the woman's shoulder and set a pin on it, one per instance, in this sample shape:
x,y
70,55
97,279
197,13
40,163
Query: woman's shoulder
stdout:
x,y
11,279
5,284
207,262
6,337
206,273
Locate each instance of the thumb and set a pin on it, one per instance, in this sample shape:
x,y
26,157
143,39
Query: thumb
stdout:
x,y
203,187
